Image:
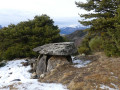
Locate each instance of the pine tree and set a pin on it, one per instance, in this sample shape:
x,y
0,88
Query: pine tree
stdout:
x,y
103,22
17,41
100,11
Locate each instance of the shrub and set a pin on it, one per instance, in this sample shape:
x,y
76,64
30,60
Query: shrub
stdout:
x,y
111,49
95,44
83,49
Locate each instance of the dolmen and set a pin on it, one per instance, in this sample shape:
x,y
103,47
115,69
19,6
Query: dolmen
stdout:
x,y
53,55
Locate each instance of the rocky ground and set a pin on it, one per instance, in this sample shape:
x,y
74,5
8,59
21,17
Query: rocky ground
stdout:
x,y
94,72
103,73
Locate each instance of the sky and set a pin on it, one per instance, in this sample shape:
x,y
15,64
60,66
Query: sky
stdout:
x,y
63,12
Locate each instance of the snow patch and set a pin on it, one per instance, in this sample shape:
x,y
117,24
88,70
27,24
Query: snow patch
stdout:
x,y
73,26
80,63
40,86
14,70
109,88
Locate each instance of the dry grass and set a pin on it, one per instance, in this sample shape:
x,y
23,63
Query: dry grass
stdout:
x,y
103,71
11,87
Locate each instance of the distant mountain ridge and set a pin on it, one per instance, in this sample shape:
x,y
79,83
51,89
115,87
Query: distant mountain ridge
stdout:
x,y
69,30
76,37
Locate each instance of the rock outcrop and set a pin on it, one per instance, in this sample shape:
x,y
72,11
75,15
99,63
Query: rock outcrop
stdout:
x,y
3,63
55,61
65,48
41,65
53,55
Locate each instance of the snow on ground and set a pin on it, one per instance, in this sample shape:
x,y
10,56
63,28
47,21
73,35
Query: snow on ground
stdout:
x,y
80,63
104,87
14,70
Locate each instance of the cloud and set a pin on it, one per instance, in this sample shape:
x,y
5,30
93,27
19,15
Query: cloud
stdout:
x,y
14,11
16,16
67,21
8,16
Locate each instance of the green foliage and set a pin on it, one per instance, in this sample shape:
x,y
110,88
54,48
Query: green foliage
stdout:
x,y
104,22
112,37
111,49
83,49
17,41
96,44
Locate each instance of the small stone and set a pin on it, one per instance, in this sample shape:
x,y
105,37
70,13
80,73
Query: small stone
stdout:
x,y
10,73
83,54
30,71
25,64
34,75
3,63
26,59
42,75
16,80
